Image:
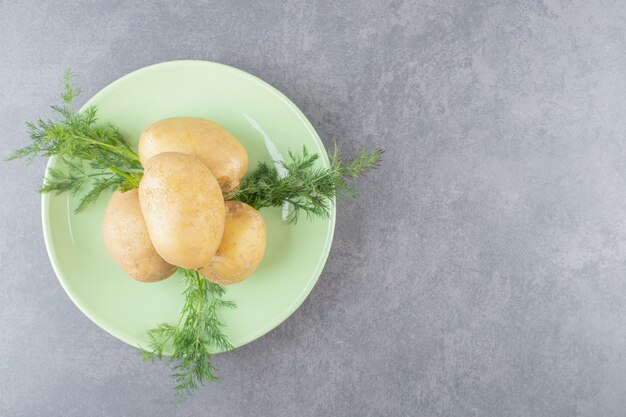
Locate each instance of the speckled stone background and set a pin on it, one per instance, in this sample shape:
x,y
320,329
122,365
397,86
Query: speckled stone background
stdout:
x,y
482,274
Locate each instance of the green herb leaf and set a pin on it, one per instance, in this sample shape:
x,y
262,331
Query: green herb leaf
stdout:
x,y
307,188
198,328
77,138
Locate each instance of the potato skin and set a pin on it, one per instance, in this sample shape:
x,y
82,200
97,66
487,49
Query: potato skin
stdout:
x,y
208,141
127,241
183,206
242,247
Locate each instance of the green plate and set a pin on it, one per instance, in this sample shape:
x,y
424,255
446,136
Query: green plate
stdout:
x,y
265,121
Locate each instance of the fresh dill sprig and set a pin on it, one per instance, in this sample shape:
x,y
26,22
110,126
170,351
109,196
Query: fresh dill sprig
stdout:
x,y
79,140
198,328
307,188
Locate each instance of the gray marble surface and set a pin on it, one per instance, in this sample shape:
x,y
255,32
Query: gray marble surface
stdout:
x,y
482,274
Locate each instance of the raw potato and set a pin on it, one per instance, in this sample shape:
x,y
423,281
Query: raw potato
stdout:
x,y
212,144
242,246
183,207
126,238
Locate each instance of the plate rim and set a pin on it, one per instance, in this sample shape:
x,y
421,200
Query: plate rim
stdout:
x,y
316,273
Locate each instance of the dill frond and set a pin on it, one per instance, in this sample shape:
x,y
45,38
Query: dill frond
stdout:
x,y
198,328
307,188
78,139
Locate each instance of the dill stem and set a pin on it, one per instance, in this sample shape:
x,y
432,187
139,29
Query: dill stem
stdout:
x,y
121,173
130,154
200,309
